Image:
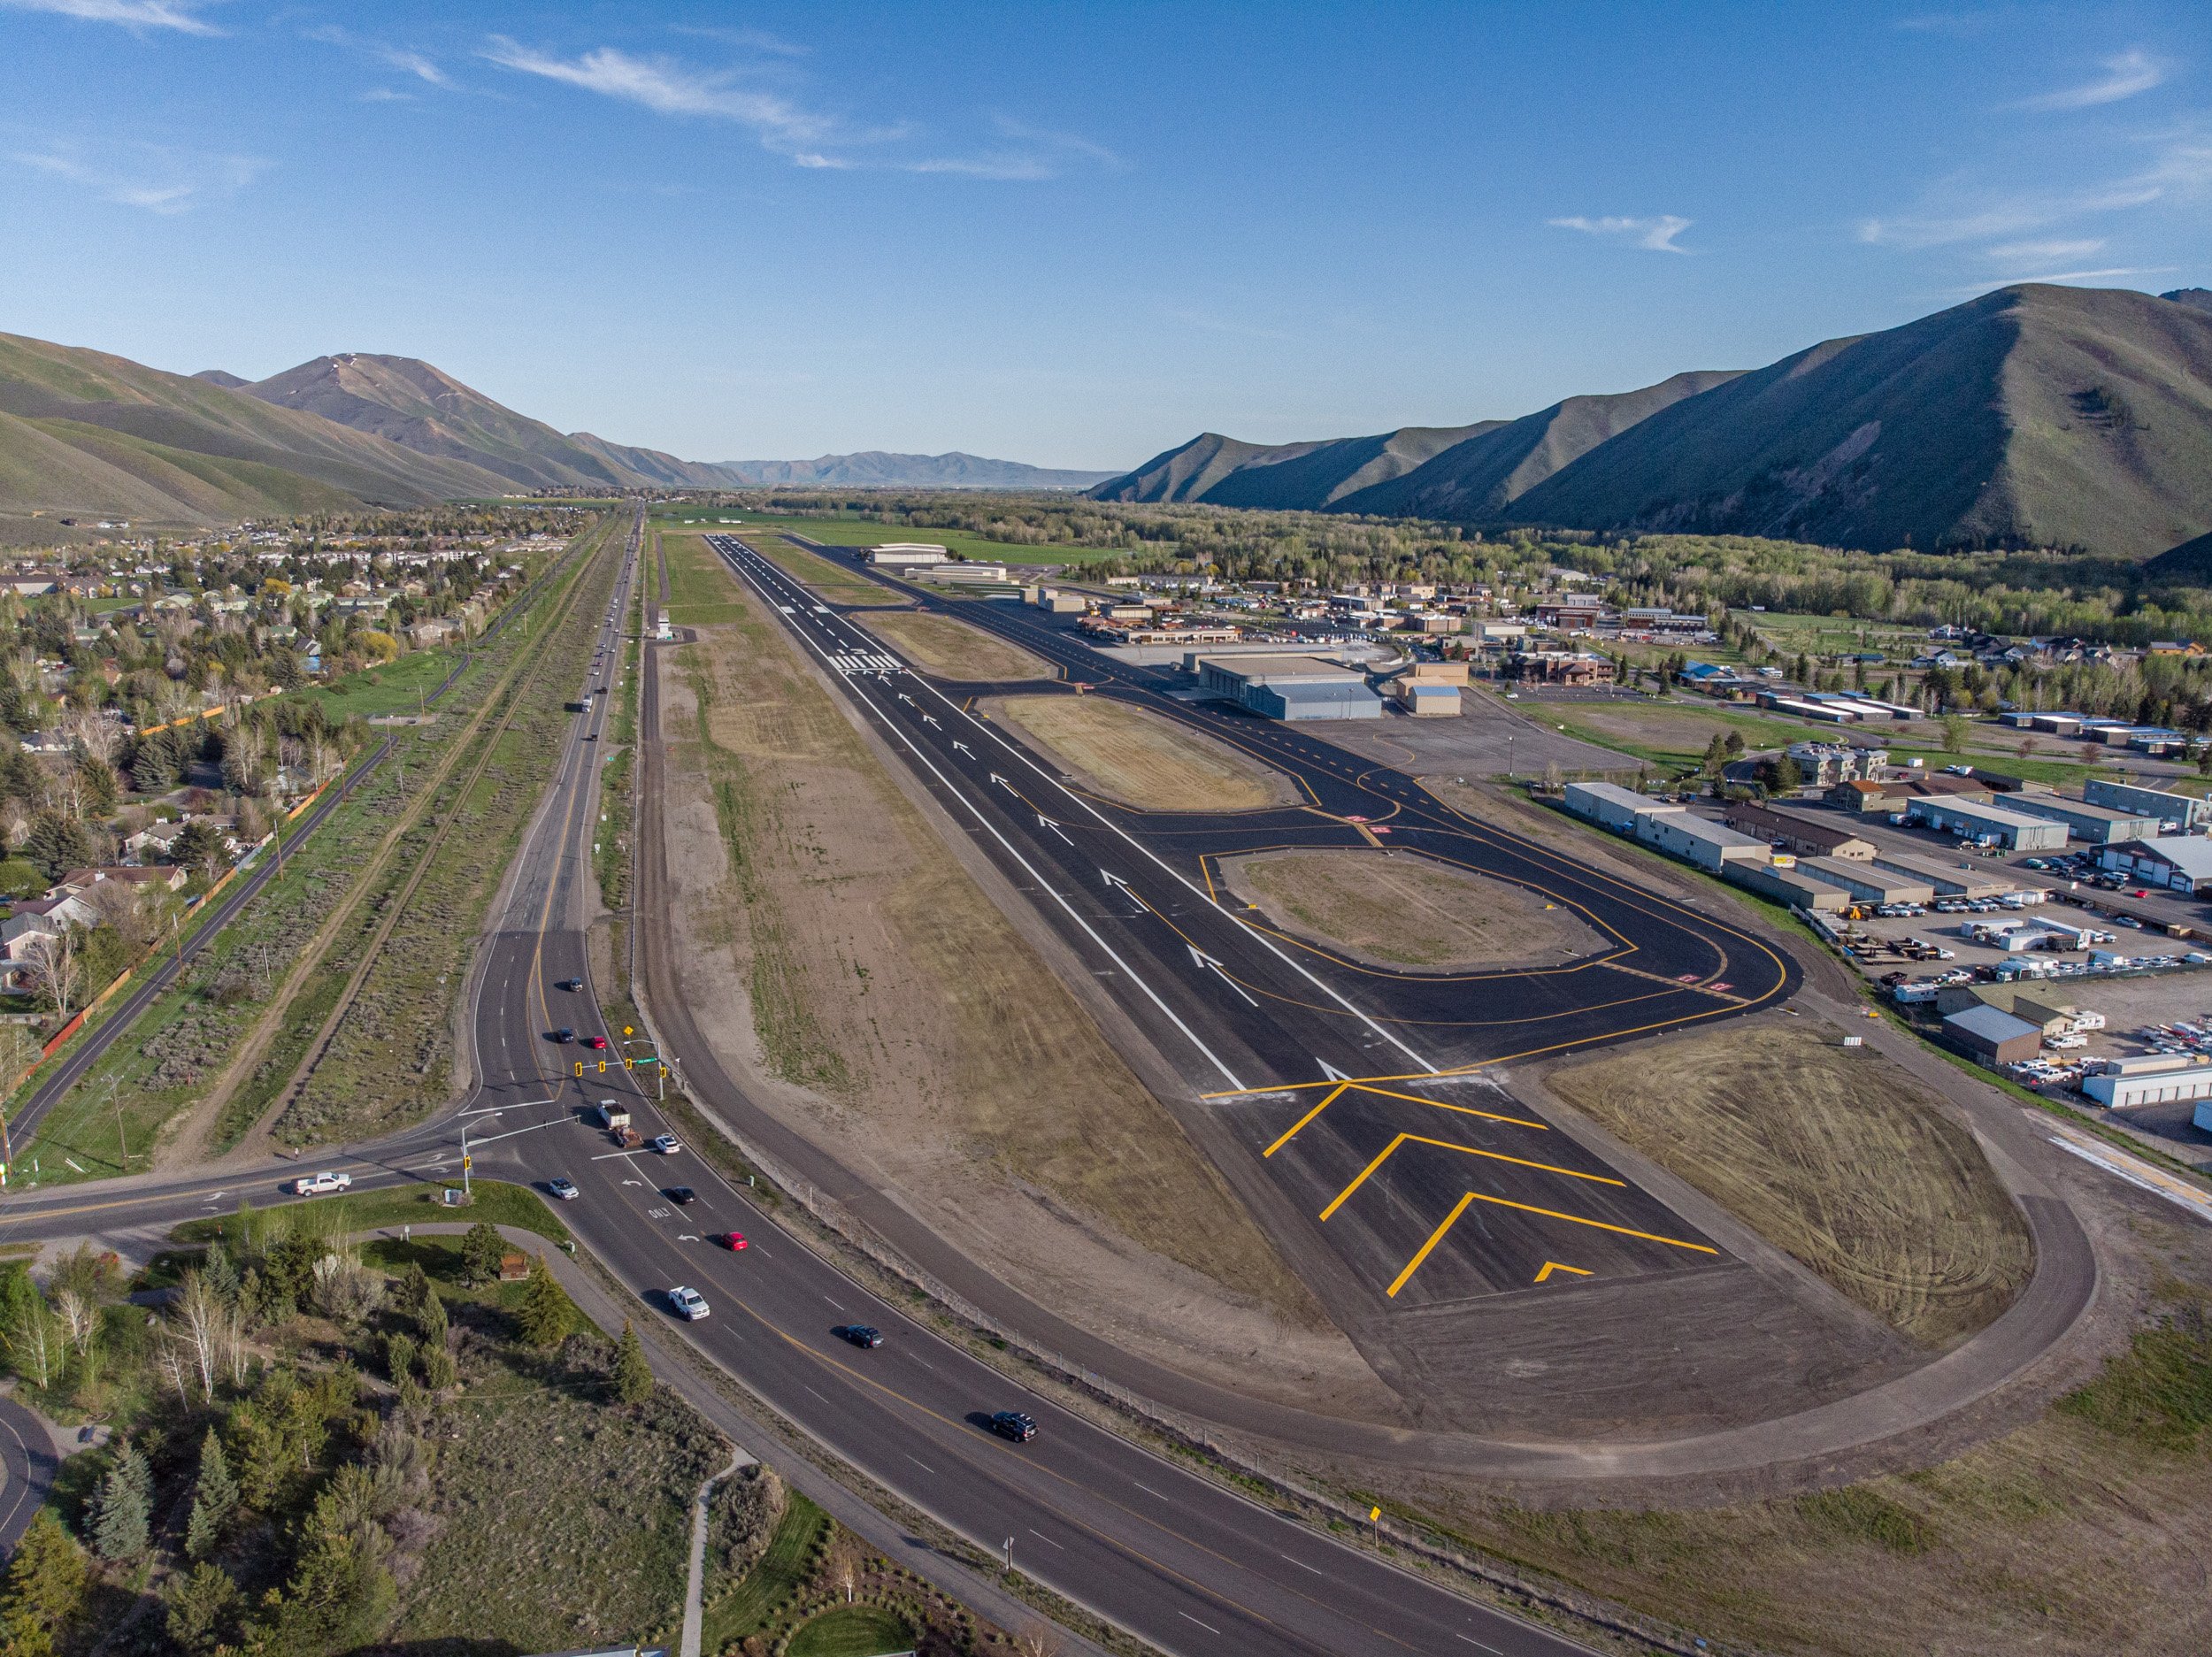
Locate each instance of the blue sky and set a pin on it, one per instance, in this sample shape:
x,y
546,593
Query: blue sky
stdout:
x,y
1071,234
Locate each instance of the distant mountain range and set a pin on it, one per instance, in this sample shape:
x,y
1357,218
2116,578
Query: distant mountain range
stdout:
x,y
2034,416
84,432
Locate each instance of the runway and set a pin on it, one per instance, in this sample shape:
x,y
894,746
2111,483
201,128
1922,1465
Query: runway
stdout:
x,y
1370,1095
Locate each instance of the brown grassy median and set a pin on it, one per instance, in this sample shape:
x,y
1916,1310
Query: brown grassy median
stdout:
x,y
953,650
1141,758
1832,1153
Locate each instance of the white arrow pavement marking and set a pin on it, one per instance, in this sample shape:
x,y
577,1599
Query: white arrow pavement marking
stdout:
x,y
928,721
1331,1072
1114,879
1211,965
1003,783
1045,822
685,1237
964,748
908,700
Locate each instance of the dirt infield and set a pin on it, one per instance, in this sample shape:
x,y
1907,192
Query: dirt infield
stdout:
x,y
1831,1154
953,650
1141,759
1401,911
868,991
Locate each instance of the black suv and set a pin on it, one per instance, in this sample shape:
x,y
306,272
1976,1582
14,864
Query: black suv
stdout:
x,y
570,984
680,1194
860,1335
1012,1423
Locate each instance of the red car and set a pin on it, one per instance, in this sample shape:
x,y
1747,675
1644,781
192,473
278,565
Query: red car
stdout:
x,y
730,1240
597,1044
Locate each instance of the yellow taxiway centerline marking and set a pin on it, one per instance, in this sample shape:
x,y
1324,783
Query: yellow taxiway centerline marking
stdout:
x,y
1551,1266
1495,1156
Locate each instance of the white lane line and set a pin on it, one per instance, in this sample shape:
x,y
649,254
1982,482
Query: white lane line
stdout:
x,y
816,1394
1476,1644
833,1303
1042,1537
924,1466
608,1156
1147,1489
1209,1627
1301,1565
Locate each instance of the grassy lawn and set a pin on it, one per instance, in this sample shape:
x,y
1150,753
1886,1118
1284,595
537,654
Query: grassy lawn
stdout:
x,y
853,1630
497,1203
698,589
396,687
834,581
847,531
793,1552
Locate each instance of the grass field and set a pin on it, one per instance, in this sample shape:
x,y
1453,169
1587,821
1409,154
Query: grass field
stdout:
x,y
953,650
698,594
398,686
1140,758
1406,910
1832,1154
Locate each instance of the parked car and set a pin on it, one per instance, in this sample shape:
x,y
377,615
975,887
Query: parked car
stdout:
x,y
562,1189
321,1184
1012,1423
687,1304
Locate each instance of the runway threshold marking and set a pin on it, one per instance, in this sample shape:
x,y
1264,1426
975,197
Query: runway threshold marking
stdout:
x,y
1447,1145
1299,1125
1460,1207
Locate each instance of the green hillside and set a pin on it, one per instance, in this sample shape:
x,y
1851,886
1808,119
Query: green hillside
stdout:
x,y
1283,476
2034,416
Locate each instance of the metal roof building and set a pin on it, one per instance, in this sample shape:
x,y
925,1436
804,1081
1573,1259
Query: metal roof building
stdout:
x,y
1290,686
1974,819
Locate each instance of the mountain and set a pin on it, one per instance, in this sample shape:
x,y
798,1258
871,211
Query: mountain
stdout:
x,y
419,407
82,431
222,377
874,469
2200,297
1478,479
1282,477
2035,416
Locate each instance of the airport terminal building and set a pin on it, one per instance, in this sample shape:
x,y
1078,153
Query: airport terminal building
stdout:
x,y
1290,686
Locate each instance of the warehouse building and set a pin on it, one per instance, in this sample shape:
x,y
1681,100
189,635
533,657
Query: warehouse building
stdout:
x,y
1290,688
1970,884
1992,1037
1971,819
1791,885
897,554
1868,882
1710,846
2155,1079
2175,865
2092,825
1611,806
1799,834
2177,812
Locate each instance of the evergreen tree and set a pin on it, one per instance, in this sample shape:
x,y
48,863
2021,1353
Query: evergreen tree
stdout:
x,y
414,1294
399,1354
122,1509
203,1609
544,1314
214,1497
632,1374
438,1371
45,1590
433,1321
481,1251
56,844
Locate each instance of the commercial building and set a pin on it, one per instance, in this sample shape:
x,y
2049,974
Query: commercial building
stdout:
x,y
1970,884
1973,820
1866,882
1992,1037
1290,688
1791,885
2128,1082
1710,846
2176,864
907,555
2176,811
1825,763
1611,806
1427,698
2092,825
1801,834
1860,794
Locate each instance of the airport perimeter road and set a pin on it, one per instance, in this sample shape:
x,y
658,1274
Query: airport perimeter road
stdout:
x,y
1367,1094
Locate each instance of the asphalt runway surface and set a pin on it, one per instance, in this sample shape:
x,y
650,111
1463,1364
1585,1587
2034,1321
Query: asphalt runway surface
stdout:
x,y
1367,1092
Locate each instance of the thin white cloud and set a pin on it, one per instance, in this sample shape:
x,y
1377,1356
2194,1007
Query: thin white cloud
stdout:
x,y
669,88
2066,278
749,40
153,177
2044,252
180,15
804,137
404,59
1656,233
2131,72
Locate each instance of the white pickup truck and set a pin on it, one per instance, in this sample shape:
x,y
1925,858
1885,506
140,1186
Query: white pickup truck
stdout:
x,y
321,1184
